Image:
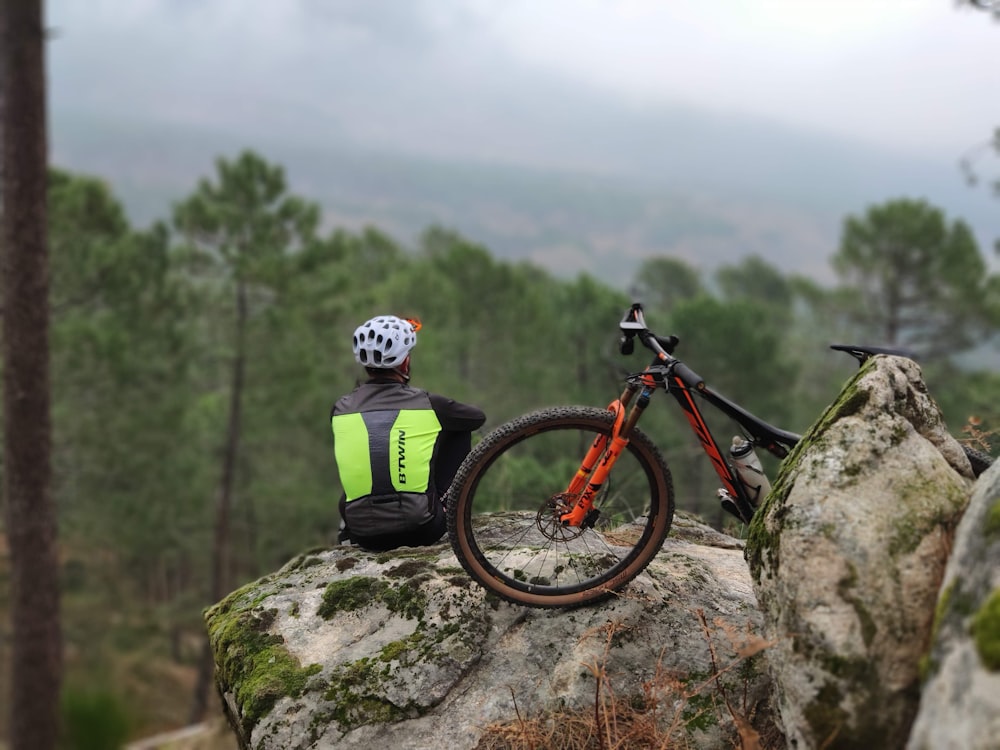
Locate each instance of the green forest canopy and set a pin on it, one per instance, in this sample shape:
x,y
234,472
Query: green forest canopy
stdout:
x,y
147,322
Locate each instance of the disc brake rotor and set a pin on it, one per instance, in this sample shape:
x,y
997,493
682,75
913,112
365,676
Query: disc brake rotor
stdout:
x,y
548,519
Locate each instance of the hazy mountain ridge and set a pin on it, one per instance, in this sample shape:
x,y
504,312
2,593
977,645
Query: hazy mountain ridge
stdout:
x,y
740,189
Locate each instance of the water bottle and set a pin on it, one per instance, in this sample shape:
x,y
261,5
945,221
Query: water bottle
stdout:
x,y
748,469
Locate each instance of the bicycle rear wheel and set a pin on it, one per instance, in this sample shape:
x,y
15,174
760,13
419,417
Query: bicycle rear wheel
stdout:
x,y
505,502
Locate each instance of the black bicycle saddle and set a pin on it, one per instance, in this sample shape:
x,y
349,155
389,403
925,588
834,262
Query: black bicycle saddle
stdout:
x,y
862,352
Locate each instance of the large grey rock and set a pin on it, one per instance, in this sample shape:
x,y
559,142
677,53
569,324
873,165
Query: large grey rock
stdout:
x,y
847,557
348,649
960,704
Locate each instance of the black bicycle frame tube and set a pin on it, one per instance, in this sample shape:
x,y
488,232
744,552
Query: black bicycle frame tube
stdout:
x,y
681,381
730,481
772,439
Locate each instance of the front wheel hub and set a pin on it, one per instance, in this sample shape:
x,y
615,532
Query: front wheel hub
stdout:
x,y
549,519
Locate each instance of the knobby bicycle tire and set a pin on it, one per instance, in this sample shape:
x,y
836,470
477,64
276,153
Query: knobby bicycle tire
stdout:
x,y
504,507
979,461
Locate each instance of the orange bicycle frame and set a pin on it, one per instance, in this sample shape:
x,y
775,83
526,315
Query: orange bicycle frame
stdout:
x,y
604,451
683,385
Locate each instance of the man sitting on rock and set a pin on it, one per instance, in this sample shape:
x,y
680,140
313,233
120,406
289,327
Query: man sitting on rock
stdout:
x,y
397,447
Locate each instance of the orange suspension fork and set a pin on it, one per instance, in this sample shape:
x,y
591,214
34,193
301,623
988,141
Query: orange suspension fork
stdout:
x,y
604,451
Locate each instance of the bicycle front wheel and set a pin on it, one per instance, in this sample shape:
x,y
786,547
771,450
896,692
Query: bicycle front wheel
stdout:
x,y
505,503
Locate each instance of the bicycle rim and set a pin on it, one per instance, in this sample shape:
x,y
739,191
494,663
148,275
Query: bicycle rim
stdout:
x,y
505,503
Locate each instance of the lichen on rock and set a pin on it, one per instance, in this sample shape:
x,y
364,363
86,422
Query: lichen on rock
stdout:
x,y
847,555
255,663
960,702
402,649
826,629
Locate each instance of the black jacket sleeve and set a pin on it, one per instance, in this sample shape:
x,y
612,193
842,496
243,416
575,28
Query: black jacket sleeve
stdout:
x,y
455,416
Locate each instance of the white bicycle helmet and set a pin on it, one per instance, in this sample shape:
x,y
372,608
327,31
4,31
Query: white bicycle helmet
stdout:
x,y
384,342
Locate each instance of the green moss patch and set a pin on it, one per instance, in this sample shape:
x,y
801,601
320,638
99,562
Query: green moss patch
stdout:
x,y
409,569
397,650
928,664
361,591
416,553
407,600
700,712
350,594
825,716
986,632
306,560
354,699
850,401
991,525
252,663
762,548
911,528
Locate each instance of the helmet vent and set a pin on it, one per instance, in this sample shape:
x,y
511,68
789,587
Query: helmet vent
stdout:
x,y
384,341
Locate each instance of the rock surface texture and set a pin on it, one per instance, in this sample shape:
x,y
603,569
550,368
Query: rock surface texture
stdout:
x,y
960,704
853,605
848,555
349,649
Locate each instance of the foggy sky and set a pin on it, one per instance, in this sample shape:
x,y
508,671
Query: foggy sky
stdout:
x,y
502,77
811,109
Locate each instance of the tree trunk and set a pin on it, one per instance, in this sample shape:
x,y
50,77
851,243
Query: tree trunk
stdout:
x,y
36,664
3,94
224,499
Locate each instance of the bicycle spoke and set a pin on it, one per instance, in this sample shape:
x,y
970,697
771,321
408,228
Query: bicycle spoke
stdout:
x,y
506,520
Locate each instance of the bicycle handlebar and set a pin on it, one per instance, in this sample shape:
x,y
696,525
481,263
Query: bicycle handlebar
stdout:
x,y
634,324
773,439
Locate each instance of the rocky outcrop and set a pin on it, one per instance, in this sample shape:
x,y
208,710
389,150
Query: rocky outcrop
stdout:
x,y
848,555
349,649
822,640
960,704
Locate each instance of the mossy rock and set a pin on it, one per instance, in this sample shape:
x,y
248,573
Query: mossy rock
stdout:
x,y
254,663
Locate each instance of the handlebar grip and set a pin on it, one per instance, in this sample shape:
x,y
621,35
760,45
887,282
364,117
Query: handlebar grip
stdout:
x,y
689,376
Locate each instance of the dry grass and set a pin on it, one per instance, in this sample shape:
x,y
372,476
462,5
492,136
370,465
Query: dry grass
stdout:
x,y
658,718
978,438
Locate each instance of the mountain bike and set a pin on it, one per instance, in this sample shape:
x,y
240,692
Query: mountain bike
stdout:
x,y
535,525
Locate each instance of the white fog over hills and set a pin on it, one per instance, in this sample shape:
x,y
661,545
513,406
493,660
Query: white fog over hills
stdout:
x,y
578,134
710,192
